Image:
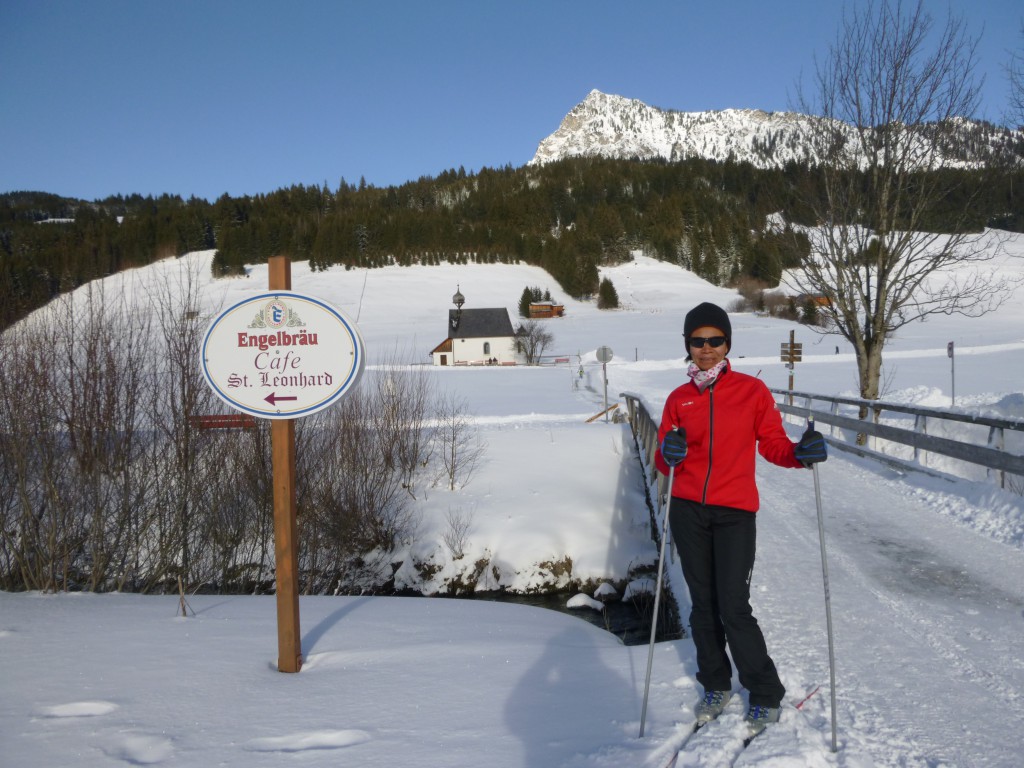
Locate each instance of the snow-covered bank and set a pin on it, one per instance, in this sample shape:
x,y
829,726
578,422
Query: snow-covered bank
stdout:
x,y
927,578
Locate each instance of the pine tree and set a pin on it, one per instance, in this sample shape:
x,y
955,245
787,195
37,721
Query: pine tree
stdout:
x,y
524,302
607,297
809,314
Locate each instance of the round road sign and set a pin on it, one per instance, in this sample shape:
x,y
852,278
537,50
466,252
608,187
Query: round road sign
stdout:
x,y
281,355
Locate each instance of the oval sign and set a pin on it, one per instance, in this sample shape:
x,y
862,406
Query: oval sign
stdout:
x,y
281,355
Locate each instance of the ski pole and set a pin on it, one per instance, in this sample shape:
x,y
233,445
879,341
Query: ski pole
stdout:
x,y
657,599
828,597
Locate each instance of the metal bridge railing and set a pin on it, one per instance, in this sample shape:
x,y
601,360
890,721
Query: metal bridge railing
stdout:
x,y
905,437
910,437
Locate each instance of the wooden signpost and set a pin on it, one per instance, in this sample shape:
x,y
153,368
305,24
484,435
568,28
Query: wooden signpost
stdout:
x,y
286,546
282,356
604,356
791,354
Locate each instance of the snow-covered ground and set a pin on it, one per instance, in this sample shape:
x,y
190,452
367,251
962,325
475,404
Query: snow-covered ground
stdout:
x,y
926,575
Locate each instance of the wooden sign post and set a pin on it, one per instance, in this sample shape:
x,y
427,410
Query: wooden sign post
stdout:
x,y
281,356
791,354
604,356
286,551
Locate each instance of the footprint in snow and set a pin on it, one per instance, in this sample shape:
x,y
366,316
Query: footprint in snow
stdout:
x,y
302,741
80,709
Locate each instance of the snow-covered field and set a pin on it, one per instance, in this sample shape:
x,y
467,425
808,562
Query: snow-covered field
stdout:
x,y
927,575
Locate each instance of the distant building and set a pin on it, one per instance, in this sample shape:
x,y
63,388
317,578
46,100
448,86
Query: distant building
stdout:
x,y
476,337
546,309
811,298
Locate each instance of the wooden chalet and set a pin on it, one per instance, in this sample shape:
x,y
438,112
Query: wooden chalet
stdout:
x,y
546,309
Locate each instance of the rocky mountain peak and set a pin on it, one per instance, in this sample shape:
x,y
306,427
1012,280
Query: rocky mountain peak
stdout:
x,y
607,125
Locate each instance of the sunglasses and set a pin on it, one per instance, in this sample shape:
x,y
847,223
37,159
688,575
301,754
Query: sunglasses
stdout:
x,y
698,342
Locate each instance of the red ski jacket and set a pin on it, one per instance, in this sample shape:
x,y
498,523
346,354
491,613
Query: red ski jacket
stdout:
x,y
723,425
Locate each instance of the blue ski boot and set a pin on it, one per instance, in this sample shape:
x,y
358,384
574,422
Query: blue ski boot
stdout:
x,y
760,717
711,706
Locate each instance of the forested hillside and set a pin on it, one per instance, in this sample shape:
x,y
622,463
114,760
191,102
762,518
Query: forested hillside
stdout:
x,y
569,217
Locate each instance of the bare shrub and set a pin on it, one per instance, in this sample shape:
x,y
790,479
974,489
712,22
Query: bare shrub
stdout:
x,y
460,446
456,535
778,304
108,482
752,292
365,454
403,397
1015,484
181,474
237,523
37,530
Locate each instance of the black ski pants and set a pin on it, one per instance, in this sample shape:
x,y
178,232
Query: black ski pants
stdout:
x,y
716,547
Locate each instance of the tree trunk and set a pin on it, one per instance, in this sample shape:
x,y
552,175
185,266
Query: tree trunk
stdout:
x,y
869,371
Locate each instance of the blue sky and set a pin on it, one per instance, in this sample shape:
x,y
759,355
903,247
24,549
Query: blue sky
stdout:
x,y
247,96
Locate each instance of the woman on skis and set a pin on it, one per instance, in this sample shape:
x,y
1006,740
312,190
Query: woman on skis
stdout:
x,y
709,431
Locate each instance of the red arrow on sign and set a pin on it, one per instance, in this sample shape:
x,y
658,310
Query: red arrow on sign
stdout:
x,y
272,398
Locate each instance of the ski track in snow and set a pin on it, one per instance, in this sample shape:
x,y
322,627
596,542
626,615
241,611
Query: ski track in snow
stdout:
x,y
927,601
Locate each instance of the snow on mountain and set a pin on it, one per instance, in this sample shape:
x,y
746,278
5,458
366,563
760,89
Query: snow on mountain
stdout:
x,y
614,126
606,125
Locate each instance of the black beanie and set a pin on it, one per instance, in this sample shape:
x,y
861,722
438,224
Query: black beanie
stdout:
x,y
707,314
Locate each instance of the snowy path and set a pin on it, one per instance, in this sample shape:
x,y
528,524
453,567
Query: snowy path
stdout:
x,y
912,592
928,615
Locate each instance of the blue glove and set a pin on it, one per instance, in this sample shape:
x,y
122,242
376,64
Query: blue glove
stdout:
x,y
673,447
811,449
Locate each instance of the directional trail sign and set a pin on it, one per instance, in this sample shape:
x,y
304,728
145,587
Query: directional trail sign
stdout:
x,y
792,352
281,355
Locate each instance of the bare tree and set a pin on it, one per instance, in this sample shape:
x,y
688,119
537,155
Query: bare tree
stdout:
x,y
460,445
532,339
72,437
892,91
37,527
102,380
403,397
179,395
